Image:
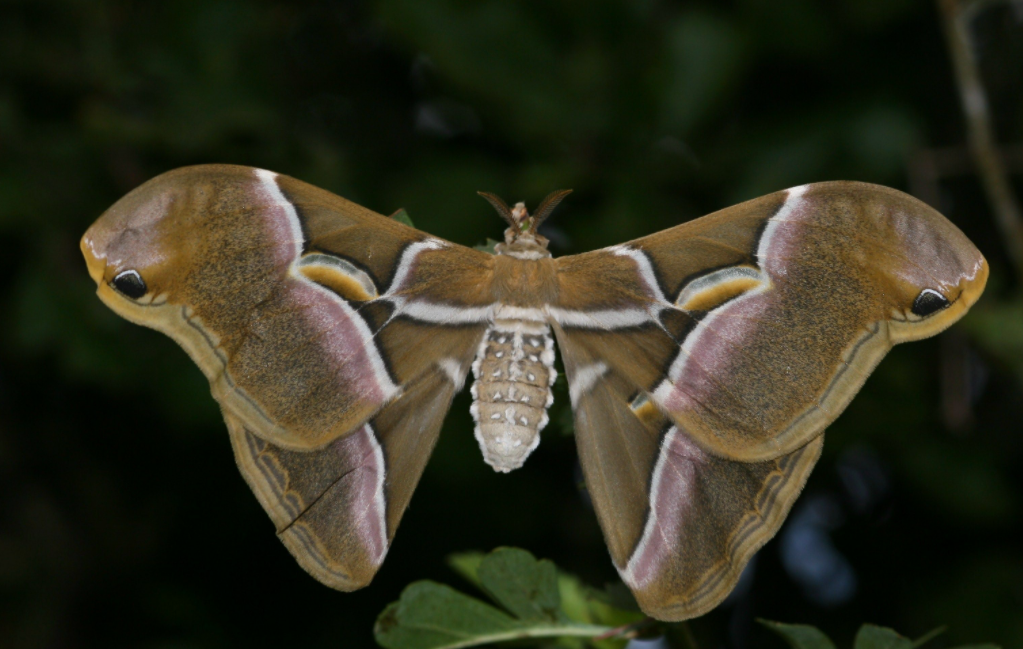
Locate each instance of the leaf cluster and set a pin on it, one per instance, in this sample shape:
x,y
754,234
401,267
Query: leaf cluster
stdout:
x,y
532,601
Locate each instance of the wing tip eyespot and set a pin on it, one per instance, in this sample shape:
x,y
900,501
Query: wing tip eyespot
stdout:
x,y
130,284
929,302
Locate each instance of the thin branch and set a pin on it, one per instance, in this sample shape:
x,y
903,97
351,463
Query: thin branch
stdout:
x,y
980,131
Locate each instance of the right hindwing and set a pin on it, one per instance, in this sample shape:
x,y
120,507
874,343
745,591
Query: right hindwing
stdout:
x,y
680,523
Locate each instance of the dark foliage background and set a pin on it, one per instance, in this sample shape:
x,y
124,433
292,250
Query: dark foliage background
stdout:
x,y
123,521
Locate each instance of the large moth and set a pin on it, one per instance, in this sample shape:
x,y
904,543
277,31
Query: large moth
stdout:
x,y
703,362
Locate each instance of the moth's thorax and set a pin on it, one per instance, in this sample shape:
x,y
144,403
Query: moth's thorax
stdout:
x,y
523,245
514,372
528,283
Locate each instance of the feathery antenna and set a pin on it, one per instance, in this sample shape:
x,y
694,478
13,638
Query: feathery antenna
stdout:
x,y
518,218
501,207
547,206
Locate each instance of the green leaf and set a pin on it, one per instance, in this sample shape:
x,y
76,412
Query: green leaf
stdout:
x,y
578,602
878,637
467,564
583,603
434,616
800,636
401,216
526,587
978,646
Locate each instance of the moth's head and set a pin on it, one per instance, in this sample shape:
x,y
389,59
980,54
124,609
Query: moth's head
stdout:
x,y
130,250
521,239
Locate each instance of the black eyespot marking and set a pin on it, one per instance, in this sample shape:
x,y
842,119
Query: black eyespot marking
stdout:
x,y
130,284
929,301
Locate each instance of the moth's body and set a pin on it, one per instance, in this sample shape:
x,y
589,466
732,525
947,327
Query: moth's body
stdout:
x,y
703,362
514,367
514,372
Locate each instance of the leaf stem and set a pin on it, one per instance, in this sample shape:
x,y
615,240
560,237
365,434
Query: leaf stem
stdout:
x,y
556,631
927,637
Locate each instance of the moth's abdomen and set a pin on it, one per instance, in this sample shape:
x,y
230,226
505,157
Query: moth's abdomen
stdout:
x,y
514,371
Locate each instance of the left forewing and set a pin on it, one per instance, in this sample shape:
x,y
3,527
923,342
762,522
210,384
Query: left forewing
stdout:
x,y
306,312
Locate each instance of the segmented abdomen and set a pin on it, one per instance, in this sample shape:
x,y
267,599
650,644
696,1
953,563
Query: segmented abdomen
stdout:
x,y
514,372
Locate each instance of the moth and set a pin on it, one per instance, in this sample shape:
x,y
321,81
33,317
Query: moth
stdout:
x,y
703,362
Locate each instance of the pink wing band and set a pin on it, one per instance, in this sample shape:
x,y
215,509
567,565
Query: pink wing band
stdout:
x,y
346,339
672,490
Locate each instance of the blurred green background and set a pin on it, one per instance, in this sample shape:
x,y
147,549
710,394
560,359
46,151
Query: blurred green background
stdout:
x,y
123,520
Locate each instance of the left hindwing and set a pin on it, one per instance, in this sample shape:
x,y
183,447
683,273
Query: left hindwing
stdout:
x,y
337,508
